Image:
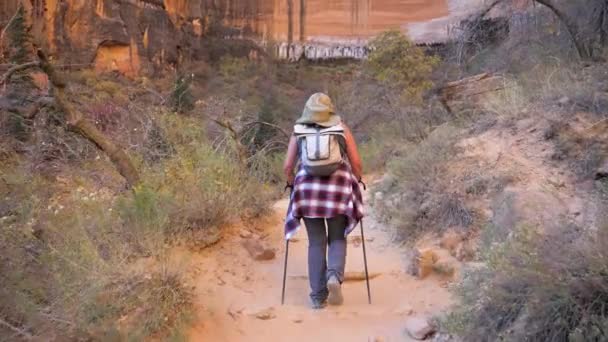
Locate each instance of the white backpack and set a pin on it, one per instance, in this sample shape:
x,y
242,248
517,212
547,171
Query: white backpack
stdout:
x,y
320,150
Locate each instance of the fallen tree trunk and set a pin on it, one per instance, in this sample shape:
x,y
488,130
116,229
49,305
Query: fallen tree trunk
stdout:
x,y
467,93
77,122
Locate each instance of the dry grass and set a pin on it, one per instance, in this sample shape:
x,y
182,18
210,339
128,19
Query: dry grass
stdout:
x,y
538,287
412,195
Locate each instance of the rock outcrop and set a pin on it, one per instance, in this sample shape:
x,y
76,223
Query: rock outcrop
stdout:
x,y
129,36
134,36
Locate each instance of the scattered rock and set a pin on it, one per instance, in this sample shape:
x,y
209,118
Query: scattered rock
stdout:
x,y
356,240
421,262
265,314
445,269
602,171
556,182
245,234
465,251
404,311
419,327
379,196
450,240
443,337
258,251
563,101
199,239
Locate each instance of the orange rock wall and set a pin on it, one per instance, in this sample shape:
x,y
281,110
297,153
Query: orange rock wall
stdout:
x,y
144,35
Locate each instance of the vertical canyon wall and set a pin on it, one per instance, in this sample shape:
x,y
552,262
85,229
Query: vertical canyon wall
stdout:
x,y
134,36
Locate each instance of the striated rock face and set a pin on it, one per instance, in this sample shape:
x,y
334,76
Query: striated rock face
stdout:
x,y
130,36
134,36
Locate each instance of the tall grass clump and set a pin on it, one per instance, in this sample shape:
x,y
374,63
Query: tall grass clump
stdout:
x,y
537,286
67,266
410,191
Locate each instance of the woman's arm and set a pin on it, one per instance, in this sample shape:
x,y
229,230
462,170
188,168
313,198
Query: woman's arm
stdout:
x,y
290,159
353,153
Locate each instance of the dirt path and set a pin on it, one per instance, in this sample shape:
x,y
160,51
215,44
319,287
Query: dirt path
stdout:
x,y
232,288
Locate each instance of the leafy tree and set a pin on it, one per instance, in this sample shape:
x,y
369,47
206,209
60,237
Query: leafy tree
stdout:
x,y
397,63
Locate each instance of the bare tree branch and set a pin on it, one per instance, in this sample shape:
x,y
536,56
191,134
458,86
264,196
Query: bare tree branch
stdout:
x,y
21,332
277,127
7,75
570,25
236,137
10,22
77,122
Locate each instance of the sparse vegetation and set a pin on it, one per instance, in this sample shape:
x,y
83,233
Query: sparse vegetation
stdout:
x,y
397,63
535,286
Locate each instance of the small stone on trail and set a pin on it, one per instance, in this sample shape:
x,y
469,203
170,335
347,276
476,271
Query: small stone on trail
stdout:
x,y
563,101
245,234
419,327
265,314
405,311
258,251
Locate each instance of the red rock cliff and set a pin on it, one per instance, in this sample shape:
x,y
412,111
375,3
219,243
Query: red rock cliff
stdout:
x,y
139,35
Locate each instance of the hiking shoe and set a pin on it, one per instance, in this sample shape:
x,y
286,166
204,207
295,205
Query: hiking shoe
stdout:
x,y
335,291
318,304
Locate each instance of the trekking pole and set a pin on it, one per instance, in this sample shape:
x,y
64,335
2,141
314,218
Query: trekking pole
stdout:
x,y
288,186
285,272
369,294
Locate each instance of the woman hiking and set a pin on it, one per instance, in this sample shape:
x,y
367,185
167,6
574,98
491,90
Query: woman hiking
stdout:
x,y
325,194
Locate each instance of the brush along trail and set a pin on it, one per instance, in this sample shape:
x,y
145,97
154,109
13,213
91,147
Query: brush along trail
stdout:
x,y
239,298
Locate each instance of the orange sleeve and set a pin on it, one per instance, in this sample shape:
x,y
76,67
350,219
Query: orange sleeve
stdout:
x,y
353,153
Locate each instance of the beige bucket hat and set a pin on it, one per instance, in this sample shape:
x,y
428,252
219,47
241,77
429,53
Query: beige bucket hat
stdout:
x,y
319,110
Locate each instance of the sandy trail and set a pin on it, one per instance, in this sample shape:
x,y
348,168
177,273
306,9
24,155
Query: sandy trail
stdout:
x,y
231,288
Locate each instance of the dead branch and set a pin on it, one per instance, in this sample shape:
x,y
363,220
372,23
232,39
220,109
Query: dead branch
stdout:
x,y
10,22
24,334
7,75
236,137
570,25
78,123
277,127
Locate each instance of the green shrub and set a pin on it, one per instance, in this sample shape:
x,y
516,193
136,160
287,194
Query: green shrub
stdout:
x,y
410,193
181,99
423,164
397,62
233,68
550,286
67,264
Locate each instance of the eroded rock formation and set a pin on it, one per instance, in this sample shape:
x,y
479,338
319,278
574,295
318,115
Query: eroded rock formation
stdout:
x,y
134,36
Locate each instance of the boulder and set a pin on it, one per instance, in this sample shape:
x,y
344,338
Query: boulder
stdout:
x,y
421,262
451,240
419,328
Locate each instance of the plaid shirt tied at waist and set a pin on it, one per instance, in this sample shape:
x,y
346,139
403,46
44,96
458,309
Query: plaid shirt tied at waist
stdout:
x,y
324,197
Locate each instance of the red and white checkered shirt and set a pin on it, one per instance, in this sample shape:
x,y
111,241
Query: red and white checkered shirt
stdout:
x,y
324,197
